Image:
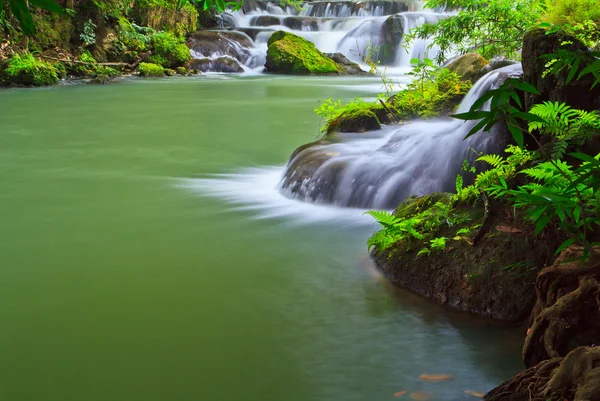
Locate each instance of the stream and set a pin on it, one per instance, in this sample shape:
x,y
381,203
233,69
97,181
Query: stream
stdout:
x,y
130,271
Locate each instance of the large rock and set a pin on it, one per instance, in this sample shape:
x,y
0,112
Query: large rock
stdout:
x,y
220,64
469,66
554,87
291,54
302,23
346,66
494,279
361,120
391,35
213,44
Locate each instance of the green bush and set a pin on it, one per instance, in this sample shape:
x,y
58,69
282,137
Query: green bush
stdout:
x,y
151,70
182,71
103,74
560,12
169,50
27,70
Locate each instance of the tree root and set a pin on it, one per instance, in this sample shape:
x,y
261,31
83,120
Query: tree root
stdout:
x,y
567,312
575,377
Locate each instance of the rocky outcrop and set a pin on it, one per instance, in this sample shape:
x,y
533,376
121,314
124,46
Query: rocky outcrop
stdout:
x,y
361,120
577,94
391,33
265,20
220,64
222,43
469,66
291,54
301,23
495,278
346,66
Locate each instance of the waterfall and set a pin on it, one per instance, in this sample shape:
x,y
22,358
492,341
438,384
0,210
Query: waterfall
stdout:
x,y
344,26
381,169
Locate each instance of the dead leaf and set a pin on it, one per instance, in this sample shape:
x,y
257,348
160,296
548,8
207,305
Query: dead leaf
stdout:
x,y
435,378
507,229
400,394
421,396
474,393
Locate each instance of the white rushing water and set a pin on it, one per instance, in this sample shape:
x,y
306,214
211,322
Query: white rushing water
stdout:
x,y
347,27
377,169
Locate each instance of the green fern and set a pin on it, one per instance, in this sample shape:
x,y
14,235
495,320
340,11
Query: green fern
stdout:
x,y
493,160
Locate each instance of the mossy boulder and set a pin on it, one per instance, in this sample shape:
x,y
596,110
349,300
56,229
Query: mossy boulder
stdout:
x,y
360,120
469,66
291,54
151,70
488,271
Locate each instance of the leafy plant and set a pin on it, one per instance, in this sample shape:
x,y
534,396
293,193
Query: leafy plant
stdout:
x,y
491,27
25,69
88,36
423,71
20,10
151,70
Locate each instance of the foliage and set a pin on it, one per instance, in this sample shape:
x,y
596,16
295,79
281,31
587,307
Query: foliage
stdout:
x,y
416,227
423,71
169,50
492,27
556,192
572,12
151,70
88,36
25,69
20,10
501,169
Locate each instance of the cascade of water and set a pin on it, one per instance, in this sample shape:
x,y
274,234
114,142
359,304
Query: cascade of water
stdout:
x,y
345,26
383,169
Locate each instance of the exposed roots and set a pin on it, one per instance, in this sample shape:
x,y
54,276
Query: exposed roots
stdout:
x,y
575,377
567,313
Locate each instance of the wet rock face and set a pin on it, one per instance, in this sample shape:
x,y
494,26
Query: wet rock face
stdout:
x,y
214,44
552,87
302,23
265,20
391,35
221,64
348,8
346,66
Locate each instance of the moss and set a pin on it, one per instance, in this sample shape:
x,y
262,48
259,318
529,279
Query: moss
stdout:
x,y
469,66
27,70
103,75
359,120
437,98
151,70
165,15
572,12
52,31
291,54
414,205
182,70
169,72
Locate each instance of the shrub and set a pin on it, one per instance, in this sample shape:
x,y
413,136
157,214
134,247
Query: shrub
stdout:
x,y
27,70
560,12
169,50
182,70
151,70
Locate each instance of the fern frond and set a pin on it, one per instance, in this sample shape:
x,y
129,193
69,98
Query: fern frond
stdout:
x,y
493,160
383,217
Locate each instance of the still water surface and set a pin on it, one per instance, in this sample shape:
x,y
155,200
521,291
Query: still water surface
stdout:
x,y
124,278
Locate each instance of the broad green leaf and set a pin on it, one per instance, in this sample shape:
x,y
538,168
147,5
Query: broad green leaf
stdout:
x,y
542,223
565,245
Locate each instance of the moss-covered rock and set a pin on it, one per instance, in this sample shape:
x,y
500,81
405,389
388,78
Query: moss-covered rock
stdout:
x,y
360,120
495,278
291,54
26,70
151,70
165,15
469,66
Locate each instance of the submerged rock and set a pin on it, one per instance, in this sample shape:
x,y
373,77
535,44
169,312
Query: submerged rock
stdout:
x,y
495,278
220,64
292,54
265,20
469,66
302,23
